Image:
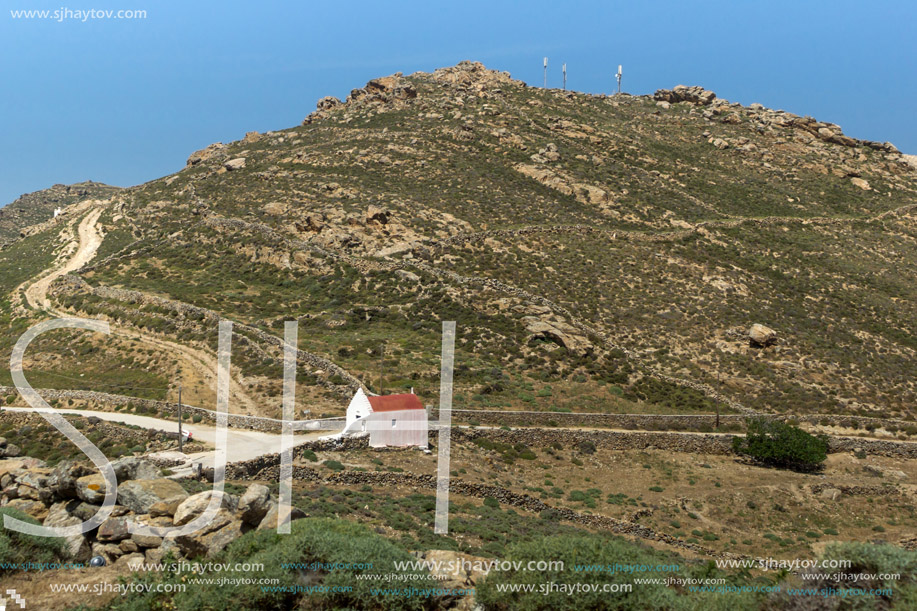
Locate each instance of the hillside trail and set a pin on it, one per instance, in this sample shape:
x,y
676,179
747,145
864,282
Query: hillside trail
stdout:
x,y
199,366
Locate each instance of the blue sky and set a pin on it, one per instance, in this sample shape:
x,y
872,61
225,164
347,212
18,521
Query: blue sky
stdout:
x,y
126,101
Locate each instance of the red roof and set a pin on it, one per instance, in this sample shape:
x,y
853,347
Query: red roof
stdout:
x,y
395,403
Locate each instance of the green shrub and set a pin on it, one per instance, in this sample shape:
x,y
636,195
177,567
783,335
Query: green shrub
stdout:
x,y
782,445
311,540
334,465
588,550
309,455
16,547
196,418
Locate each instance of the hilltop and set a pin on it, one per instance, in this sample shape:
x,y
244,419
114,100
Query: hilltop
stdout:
x,y
36,207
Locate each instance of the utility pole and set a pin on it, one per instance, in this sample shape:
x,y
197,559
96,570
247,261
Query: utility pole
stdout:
x,y
181,440
618,76
565,77
546,73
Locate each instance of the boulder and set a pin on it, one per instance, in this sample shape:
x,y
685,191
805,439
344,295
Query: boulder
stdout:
x,y
195,504
210,541
75,546
761,336
235,164
64,477
91,488
132,467
166,507
255,504
860,183
11,450
112,530
270,519
139,495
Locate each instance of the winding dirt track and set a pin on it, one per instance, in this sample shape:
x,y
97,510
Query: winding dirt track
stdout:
x,y
89,238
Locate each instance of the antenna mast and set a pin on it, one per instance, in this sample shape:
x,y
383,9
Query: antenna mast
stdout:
x,y
618,76
546,73
565,77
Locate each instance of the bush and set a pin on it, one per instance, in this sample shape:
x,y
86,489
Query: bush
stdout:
x,y
309,455
782,445
16,547
334,465
596,550
326,541
196,418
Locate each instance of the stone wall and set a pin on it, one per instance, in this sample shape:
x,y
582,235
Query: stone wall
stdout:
x,y
156,409
74,284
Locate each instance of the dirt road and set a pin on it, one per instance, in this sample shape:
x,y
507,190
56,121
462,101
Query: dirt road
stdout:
x,y
88,238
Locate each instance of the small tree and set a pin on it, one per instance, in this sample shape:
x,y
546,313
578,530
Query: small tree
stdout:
x,y
782,445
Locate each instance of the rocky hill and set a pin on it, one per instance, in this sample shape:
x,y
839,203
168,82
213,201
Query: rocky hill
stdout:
x,y
37,207
599,253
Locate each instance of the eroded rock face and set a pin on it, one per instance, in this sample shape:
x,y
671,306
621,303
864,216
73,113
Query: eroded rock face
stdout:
x,y
566,335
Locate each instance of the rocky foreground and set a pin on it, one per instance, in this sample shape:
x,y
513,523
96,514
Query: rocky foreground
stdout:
x,y
72,492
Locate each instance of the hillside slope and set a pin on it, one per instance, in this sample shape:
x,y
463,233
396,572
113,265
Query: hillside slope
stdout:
x,y
598,253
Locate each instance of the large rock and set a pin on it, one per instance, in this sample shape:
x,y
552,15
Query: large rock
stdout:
x,y
759,335
139,495
210,541
63,478
75,546
195,504
91,488
132,467
235,164
166,507
255,504
113,530
270,519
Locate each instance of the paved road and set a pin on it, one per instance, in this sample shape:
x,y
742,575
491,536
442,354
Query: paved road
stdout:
x,y
241,444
